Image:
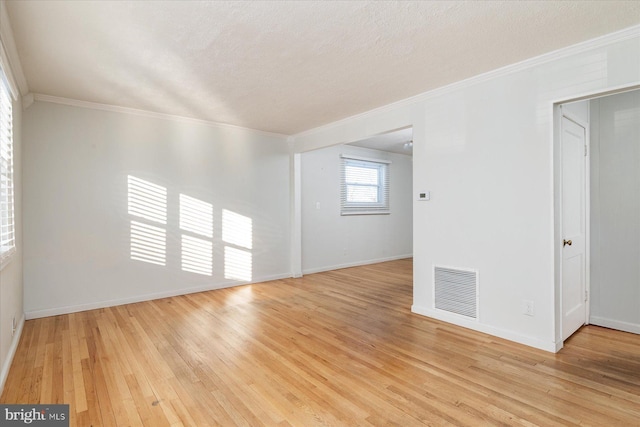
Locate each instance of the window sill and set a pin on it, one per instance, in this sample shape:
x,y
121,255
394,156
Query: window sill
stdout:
x,y
365,213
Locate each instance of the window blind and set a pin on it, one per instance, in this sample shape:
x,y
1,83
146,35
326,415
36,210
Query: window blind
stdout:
x,y
7,224
364,186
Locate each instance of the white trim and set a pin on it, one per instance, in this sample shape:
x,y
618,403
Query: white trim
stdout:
x,y
27,100
556,214
383,186
7,187
364,159
35,314
296,214
354,264
8,74
633,328
587,207
599,93
558,345
18,81
12,352
473,325
145,113
380,212
555,55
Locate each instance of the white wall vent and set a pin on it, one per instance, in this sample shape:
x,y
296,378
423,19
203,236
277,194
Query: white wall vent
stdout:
x,y
456,291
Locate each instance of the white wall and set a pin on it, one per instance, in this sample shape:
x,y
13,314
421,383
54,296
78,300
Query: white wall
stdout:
x,y
76,225
11,283
331,241
484,148
615,211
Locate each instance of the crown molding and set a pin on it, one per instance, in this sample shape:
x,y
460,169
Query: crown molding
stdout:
x,y
145,113
10,53
587,45
27,100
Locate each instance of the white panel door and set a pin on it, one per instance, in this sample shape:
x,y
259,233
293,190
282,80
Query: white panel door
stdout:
x,y
574,187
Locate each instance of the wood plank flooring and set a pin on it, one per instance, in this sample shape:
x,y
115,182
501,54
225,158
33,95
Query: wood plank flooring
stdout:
x,y
338,348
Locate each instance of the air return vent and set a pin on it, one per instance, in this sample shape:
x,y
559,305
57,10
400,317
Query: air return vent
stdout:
x,y
456,291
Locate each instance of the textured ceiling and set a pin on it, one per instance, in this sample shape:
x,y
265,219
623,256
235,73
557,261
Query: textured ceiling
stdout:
x,y
285,66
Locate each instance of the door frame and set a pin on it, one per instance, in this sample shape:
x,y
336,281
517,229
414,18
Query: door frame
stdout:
x,y
557,114
298,148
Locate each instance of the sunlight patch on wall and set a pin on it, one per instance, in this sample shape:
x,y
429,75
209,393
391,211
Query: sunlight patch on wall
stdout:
x,y
197,255
237,264
148,243
237,229
196,217
147,202
237,233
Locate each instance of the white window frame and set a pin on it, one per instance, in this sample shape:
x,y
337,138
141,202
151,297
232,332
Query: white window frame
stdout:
x,y
381,206
7,183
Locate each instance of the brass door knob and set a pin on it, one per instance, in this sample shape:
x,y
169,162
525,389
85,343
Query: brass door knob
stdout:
x,y
566,242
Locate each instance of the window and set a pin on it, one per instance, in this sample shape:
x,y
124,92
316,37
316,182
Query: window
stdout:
x,y
365,186
7,227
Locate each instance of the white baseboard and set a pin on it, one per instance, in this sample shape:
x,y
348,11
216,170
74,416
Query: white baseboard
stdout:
x,y
634,328
354,264
549,346
12,352
35,314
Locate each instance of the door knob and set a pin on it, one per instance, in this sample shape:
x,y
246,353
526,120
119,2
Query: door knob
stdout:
x,y
566,242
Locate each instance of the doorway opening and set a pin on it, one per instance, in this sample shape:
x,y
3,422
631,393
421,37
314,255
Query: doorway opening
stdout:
x,y
597,212
356,202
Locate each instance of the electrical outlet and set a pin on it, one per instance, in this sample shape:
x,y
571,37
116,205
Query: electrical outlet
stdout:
x,y
527,307
424,196
14,326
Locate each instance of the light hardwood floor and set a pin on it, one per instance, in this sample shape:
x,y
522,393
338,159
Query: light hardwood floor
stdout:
x,y
334,349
